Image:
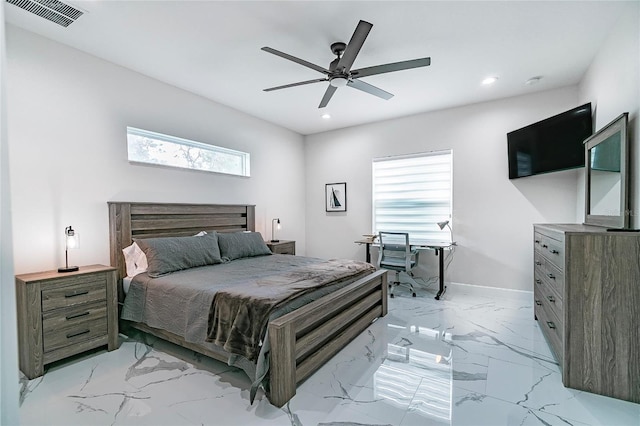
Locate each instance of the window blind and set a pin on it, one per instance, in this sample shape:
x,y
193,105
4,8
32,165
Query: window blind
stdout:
x,y
412,194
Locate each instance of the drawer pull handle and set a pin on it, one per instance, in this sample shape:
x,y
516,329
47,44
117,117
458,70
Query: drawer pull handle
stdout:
x,y
77,315
545,246
553,277
82,293
551,299
550,324
538,263
538,303
555,252
538,281
537,241
79,333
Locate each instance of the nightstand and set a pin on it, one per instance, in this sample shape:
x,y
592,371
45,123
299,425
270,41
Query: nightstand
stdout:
x,y
282,247
62,314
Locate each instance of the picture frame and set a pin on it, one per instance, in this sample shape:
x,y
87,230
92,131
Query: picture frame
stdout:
x,y
335,197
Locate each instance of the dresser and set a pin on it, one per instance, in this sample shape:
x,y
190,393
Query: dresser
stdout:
x,y
282,247
63,314
587,303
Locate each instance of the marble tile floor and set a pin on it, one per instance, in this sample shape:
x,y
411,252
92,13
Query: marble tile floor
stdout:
x,y
476,357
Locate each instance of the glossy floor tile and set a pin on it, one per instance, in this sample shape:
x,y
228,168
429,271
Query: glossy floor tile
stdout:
x,y
476,357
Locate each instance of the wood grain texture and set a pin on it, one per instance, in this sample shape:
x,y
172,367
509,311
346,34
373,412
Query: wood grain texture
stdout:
x,y
62,314
600,309
350,309
282,247
282,366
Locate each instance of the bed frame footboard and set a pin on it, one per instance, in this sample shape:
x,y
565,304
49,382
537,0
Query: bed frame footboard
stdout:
x,y
303,340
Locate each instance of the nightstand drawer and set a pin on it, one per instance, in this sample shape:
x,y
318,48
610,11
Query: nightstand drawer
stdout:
x,y
282,247
73,294
71,317
86,330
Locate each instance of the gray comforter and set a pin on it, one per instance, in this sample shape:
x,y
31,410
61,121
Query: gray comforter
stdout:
x,y
238,316
181,301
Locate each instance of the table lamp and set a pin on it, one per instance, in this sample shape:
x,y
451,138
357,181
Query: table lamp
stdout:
x,y
444,223
275,224
72,241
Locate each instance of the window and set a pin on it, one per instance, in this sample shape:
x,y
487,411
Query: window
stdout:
x,y
155,148
412,194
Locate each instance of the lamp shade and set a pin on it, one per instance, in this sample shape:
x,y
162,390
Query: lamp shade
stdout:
x,y
275,224
72,241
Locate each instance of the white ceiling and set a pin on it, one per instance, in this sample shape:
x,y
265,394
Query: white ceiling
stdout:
x,y
212,48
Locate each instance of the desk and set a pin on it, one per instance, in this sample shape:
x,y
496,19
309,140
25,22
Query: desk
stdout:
x,y
438,246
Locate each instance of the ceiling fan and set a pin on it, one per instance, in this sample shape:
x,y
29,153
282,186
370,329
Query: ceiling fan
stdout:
x,y
340,73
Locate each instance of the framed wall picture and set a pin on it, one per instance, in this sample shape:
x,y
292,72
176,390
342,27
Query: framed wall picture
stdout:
x,y
336,197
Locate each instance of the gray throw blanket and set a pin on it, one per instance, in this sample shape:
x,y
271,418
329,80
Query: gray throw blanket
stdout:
x,y
239,315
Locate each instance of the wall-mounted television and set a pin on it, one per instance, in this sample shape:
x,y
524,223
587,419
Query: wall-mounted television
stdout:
x,y
553,144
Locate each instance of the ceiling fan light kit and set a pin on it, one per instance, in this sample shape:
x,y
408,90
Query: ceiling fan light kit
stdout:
x,y
339,81
340,74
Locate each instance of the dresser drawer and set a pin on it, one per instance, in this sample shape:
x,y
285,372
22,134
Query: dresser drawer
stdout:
x,y
71,317
74,293
550,248
552,301
551,327
548,272
75,334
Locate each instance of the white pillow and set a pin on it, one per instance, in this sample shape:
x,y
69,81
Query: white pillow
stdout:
x,y
135,260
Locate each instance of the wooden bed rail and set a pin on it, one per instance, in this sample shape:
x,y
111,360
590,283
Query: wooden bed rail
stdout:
x,y
303,340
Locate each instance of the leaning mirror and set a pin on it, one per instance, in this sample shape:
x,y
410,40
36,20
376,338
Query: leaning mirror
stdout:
x,y
606,179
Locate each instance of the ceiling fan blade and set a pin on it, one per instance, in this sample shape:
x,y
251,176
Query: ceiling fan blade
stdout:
x,y
317,80
372,90
354,46
297,60
396,66
327,96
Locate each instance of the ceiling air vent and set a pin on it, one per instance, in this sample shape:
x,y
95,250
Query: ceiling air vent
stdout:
x,y
53,10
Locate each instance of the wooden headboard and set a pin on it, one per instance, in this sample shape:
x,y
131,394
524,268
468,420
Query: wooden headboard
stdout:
x,y
129,220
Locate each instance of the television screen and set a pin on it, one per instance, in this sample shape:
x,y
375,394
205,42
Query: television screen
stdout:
x,y
555,143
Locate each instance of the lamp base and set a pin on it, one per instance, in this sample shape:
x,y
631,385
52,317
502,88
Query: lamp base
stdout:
x,y
274,241
68,269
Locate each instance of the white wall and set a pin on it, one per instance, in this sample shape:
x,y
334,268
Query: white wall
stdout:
x,y
9,390
612,85
68,113
492,215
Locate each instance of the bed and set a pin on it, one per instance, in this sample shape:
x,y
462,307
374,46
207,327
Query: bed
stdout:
x,y
299,340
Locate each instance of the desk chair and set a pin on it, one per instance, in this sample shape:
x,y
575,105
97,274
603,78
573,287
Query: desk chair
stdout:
x,y
395,254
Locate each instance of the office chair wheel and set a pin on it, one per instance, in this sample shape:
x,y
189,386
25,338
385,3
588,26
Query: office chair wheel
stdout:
x,y
414,295
391,295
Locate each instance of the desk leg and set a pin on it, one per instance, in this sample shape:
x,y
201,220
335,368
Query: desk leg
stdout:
x,y
442,289
368,251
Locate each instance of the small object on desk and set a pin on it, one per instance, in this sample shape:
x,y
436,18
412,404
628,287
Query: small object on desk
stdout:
x,y
282,247
63,314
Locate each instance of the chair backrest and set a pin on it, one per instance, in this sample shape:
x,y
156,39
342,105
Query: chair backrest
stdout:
x,y
394,246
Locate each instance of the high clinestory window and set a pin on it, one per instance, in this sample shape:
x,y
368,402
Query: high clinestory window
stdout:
x,y
413,193
170,151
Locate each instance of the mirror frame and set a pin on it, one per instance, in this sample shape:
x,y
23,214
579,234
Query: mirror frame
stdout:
x,y
621,221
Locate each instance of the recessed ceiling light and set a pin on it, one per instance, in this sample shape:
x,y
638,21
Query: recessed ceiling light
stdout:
x,y
533,80
489,80
326,116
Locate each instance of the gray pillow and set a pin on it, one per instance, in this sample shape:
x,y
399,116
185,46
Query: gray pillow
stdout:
x,y
237,245
165,255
